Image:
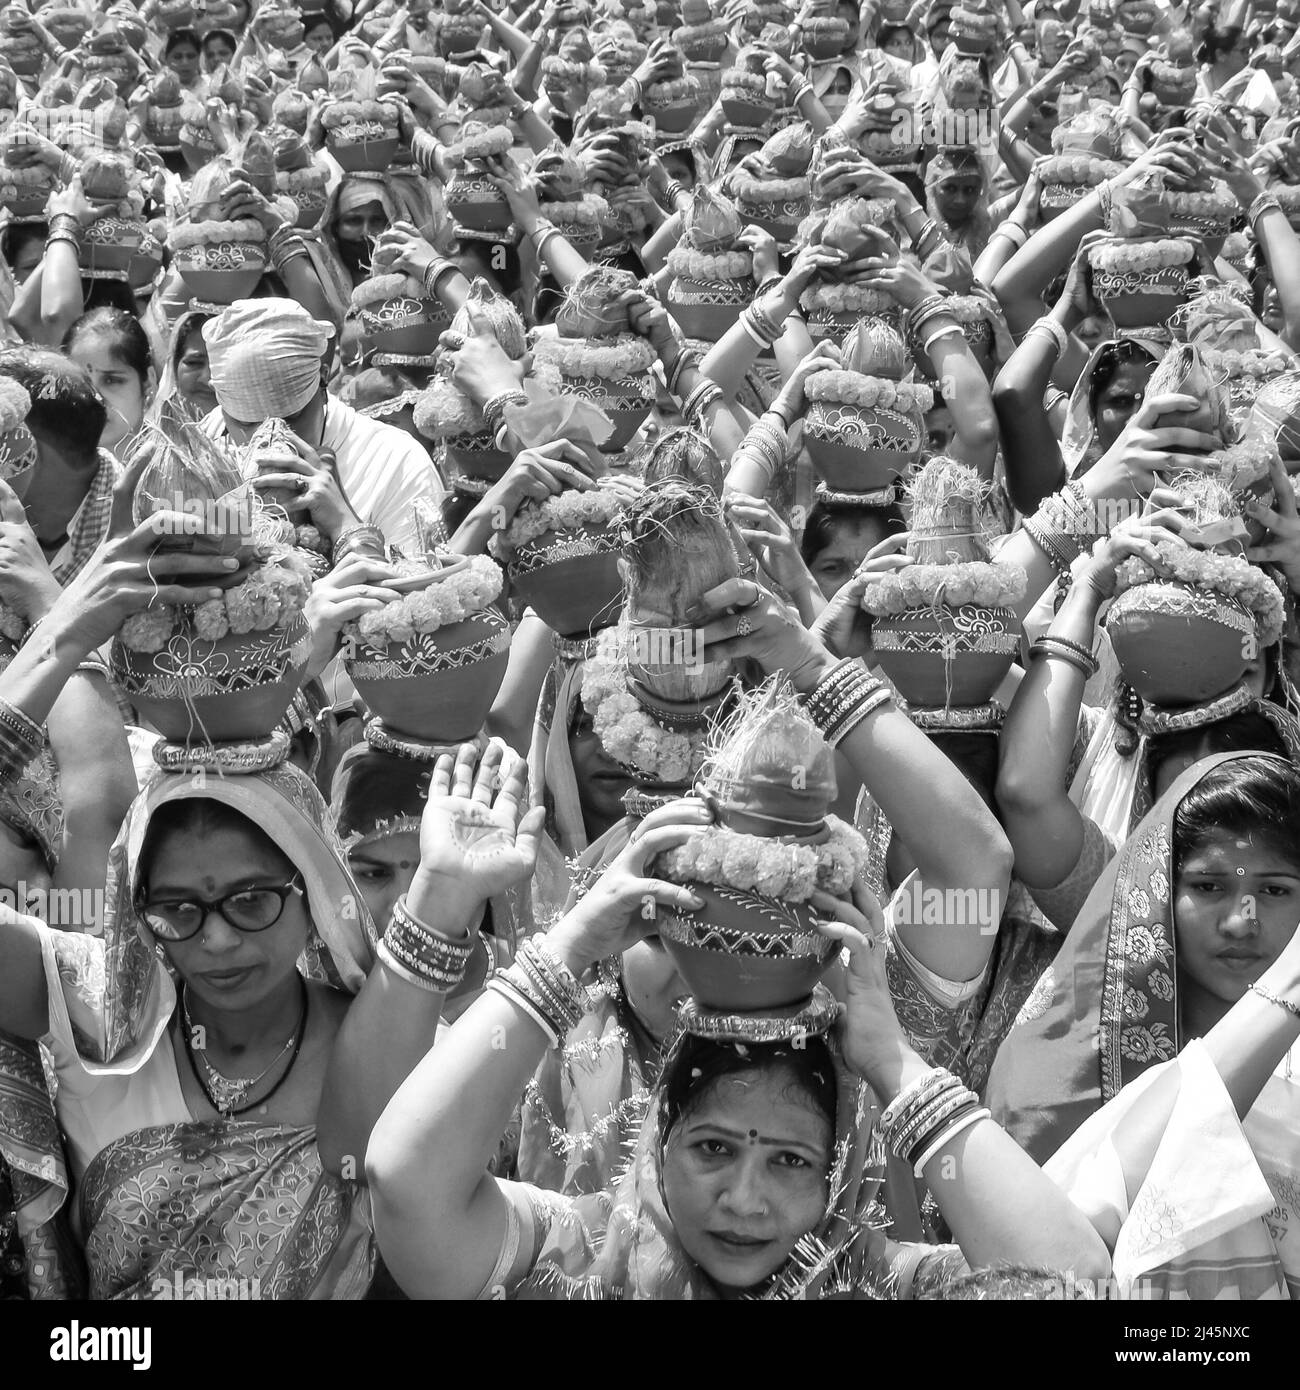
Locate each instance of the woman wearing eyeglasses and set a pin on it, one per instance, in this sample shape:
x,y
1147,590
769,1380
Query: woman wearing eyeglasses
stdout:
x,y
190,1039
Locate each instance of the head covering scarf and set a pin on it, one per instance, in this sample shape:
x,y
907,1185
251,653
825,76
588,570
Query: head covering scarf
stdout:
x,y
168,402
641,1257
265,357
1078,441
1107,1010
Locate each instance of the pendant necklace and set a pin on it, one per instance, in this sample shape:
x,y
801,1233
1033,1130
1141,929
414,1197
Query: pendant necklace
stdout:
x,y
227,1096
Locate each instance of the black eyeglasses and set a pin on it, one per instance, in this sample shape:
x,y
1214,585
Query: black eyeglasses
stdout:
x,y
248,910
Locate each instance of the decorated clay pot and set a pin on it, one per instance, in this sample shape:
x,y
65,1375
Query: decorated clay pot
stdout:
x,y
233,690
436,686
362,156
824,37
702,43
474,201
943,657
109,245
782,219
222,272
745,951
1177,644
860,449
1139,16
745,108
476,456
459,33
402,327
1140,299
705,309
1173,85
570,579
626,400
676,115
25,202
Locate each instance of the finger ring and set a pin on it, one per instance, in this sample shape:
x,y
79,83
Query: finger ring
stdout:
x,y
758,594
744,627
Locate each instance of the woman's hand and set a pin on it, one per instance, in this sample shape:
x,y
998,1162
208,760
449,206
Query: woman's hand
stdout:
x,y
783,69
72,201
844,627
661,64
1029,214
419,95
535,475
808,264
1282,548
622,906
242,200
1077,301
1136,535
481,367
314,480
648,318
474,843
771,541
26,583
1144,452
870,1035
1232,166
350,590
822,358
507,177
29,147
741,618
761,244
1172,152
906,283
402,248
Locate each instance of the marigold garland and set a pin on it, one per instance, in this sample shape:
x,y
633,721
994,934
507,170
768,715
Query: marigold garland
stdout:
x,y
461,594
853,388
986,583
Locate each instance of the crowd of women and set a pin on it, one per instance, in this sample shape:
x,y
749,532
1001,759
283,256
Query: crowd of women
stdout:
x,y
649,651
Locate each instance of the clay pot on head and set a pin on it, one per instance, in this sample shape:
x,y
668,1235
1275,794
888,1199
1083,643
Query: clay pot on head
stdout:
x,y
626,400
362,156
706,309
744,951
570,579
233,690
222,272
475,202
476,456
942,657
1179,645
1142,299
438,686
859,449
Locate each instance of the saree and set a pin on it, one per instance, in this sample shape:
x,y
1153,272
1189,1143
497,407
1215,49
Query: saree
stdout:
x,y
164,1197
620,1243
1106,1015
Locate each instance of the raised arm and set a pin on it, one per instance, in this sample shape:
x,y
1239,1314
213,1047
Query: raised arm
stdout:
x,y
473,845
439,1217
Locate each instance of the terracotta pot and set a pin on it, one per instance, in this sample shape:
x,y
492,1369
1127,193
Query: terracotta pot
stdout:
x,y
1178,645
626,400
222,272
582,236
668,664
1140,299
233,690
781,219
311,206
109,245
459,34
437,687
403,327
746,951
828,325
570,579
1139,17
477,456
825,39
362,156
1057,198
28,204
1175,91
746,109
476,203
708,73
855,449
705,309
941,658
676,117
702,46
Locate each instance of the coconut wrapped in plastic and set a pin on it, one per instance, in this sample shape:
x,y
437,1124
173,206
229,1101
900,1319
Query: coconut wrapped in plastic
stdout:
x,y
219,258
753,948
1225,332
1187,635
164,112
713,278
1182,370
25,183
224,671
945,630
67,24
864,425
20,45
596,355
443,412
108,53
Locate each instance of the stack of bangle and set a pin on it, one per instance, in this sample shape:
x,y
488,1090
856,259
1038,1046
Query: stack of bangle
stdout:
x,y
675,191
1064,527
21,739
948,330
707,393
1063,649
1264,202
927,239
494,410
687,357
284,244
541,234
770,283
1047,327
438,267
843,699
68,169
360,540
545,989
64,227
1013,232
933,1110
929,308
798,89
760,325
422,955
764,445
1106,201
